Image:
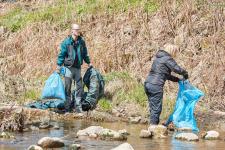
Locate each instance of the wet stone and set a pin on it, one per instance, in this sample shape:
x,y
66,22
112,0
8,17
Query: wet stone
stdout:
x,y
187,136
145,134
6,135
104,134
75,147
135,120
93,136
44,126
108,134
124,132
56,126
90,130
34,147
211,135
48,142
26,129
34,128
124,146
158,131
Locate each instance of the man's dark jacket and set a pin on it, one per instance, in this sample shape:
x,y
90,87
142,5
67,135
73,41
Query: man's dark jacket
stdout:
x,y
68,53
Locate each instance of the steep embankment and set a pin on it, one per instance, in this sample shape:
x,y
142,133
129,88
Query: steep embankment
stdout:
x,y
121,36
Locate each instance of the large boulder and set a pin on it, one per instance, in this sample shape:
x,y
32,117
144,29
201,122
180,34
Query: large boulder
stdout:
x,y
187,136
158,131
124,146
211,135
34,147
48,142
145,134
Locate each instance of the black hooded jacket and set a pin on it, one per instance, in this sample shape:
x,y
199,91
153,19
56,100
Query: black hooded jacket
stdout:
x,y
162,67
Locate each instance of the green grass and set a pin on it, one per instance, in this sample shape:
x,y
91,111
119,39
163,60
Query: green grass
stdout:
x,y
151,6
32,94
19,17
105,104
29,95
62,13
131,91
117,76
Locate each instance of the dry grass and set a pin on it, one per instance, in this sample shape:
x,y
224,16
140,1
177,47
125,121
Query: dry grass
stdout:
x,y
127,39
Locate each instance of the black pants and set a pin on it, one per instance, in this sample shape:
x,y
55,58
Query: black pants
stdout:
x,y
155,96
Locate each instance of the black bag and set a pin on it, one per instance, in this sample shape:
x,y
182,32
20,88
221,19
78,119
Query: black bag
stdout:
x,y
95,84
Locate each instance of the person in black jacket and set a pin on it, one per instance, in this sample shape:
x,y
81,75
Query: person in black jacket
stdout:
x,y
161,70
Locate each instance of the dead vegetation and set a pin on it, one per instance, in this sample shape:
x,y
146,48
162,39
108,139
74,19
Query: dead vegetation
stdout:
x,y
12,121
127,39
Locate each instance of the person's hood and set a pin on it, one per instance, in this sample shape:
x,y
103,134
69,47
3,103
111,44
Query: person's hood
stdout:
x,y
162,53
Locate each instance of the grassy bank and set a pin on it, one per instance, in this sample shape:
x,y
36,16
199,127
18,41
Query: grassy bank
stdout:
x,y
122,87
62,13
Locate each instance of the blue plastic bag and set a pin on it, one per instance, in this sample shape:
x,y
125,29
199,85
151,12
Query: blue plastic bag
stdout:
x,y
54,88
52,103
183,115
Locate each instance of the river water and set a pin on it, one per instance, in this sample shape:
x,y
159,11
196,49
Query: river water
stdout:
x,y
68,131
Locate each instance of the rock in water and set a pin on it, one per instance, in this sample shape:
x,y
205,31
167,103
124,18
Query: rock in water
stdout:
x,y
158,131
75,147
124,132
48,142
124,146
34,147
145,134
108,134
104,134
187,136
211,135
135,120
90,130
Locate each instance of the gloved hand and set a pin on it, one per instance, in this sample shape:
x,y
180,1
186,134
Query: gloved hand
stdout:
x,y
90,65
58,69
185,76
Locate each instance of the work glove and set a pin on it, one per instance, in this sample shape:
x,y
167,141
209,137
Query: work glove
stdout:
x,y
185,75
90,65
58,68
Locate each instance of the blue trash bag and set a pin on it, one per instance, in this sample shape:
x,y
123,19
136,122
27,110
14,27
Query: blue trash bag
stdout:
x,y
45,104
183,114
54,88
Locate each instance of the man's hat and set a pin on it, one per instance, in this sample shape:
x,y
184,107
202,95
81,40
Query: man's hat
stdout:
x,y
75,27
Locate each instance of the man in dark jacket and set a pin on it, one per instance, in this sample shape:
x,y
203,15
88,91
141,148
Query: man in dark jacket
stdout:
x,y
73,52
161,70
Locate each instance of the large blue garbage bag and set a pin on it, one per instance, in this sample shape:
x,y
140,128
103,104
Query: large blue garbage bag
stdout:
x,y
54,88
183,115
